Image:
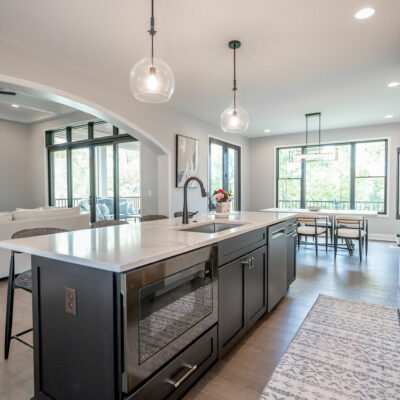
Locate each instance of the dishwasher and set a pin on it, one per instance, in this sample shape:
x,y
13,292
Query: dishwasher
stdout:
x,y
277,264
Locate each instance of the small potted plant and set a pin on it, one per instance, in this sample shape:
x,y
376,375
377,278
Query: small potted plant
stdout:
x,y
222,199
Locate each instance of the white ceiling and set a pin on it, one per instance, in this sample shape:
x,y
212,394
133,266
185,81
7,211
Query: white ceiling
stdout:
x,y
31,109
296,56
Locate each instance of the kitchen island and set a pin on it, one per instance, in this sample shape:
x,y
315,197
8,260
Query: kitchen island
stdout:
x,y
140,311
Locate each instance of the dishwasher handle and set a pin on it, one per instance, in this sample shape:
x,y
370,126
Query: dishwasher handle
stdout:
x,y
278,233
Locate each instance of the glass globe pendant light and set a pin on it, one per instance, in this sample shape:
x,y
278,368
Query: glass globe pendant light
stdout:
x,y
235,118
151,79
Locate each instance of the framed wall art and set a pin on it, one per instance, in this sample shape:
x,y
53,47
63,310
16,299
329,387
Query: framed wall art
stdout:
x,y
187,159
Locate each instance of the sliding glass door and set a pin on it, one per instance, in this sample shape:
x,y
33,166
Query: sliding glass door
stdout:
x,y
224,170
96,168
104,182
80,169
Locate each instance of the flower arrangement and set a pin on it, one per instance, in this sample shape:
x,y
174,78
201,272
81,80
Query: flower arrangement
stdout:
x,y
221,196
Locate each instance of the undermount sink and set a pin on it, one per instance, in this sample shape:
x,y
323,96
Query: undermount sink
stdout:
x,y
213,227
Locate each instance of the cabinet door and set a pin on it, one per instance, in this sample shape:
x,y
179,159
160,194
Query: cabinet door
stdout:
x,y
231,307
256,285
291,261
277,264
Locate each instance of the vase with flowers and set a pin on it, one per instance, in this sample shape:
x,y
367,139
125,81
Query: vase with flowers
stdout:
x,y
222,199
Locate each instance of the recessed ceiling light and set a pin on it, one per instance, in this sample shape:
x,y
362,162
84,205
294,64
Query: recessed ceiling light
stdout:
x,y
393,84
388,116
267,130
15,105
364,13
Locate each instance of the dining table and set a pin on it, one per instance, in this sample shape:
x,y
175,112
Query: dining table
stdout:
x,y
330,214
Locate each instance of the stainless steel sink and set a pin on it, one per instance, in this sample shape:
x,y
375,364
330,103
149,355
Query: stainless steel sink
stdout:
x,y
213,227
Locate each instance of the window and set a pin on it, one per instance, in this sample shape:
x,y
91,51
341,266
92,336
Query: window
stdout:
x,y
224,170
355,180
95,167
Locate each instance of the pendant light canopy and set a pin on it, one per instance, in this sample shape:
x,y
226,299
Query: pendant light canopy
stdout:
x,y
151,79
235,118
314,152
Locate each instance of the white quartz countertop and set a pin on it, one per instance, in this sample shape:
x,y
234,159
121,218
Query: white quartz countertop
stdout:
x,y
125,247
347,213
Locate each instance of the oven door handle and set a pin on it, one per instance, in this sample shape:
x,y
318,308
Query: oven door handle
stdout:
x,y
179,382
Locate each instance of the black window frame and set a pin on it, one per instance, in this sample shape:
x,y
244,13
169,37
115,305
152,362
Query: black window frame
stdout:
x,y
115,139
353,176
225,167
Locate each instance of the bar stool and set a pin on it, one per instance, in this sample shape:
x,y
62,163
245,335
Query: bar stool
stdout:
x,y
349,229
314,227
22,281
108,222
146,218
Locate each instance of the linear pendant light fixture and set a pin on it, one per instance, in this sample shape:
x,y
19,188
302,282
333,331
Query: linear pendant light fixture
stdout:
x,y
151,79
235,118
314,152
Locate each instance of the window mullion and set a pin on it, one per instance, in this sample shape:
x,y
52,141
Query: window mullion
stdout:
x,y
353,176
225,168
69,168
303,181
116,180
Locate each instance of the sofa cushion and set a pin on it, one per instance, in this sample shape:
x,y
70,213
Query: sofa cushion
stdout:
x,y
5,216
52,213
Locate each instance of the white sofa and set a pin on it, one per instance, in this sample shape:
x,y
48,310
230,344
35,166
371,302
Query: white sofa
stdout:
x,y
48,217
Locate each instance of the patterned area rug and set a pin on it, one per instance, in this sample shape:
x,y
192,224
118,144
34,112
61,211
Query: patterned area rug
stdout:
x,y
344,350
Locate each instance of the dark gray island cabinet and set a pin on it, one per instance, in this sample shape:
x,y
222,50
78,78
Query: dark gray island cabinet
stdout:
x,y
151,332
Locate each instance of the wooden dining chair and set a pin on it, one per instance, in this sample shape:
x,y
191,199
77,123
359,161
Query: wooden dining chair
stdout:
x,y
349,229
312,227
21,281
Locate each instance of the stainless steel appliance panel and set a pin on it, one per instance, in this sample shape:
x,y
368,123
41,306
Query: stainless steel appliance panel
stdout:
x,y
166,306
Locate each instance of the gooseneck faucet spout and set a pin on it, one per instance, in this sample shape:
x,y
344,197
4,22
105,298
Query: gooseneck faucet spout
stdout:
x,y
185,218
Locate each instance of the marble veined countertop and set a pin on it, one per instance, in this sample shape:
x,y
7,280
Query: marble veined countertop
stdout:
x,y
125,247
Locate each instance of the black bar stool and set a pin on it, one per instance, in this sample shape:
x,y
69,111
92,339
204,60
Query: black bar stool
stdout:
x,y
22,281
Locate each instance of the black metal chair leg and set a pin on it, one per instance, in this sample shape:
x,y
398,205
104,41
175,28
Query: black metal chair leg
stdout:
x,y
366,245
335,244
316,245
360,245
326,241
10,307
298,241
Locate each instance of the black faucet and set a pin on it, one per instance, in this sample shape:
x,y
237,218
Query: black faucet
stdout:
x,y
185,218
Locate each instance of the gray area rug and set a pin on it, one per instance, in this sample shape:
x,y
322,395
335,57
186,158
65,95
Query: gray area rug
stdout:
x,y
345,349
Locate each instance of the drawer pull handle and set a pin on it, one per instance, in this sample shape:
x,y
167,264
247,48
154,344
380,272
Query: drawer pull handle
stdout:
x,y
179,382
246,262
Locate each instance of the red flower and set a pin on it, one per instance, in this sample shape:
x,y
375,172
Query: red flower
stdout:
x,y
220,190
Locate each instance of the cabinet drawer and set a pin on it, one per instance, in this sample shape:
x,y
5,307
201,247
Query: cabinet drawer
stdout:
x,y
235,247
180,374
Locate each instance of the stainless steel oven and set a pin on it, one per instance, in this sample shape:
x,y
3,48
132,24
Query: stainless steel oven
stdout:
x,y
166,306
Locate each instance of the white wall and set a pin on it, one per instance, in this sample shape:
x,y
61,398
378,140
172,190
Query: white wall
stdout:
x,y
149,181
15,183
262,166
154,125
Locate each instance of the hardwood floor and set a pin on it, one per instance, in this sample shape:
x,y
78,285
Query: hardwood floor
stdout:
x,y
243,373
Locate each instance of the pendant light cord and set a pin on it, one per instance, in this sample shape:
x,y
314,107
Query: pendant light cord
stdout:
x,y
152,31
234,78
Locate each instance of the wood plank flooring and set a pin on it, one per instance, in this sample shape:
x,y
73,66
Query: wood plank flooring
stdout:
x,y
243,373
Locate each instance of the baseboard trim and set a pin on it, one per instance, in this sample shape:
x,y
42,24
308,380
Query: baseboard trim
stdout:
x,y
382,237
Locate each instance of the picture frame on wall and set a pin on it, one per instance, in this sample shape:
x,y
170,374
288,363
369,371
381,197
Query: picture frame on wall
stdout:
x,y
187,159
